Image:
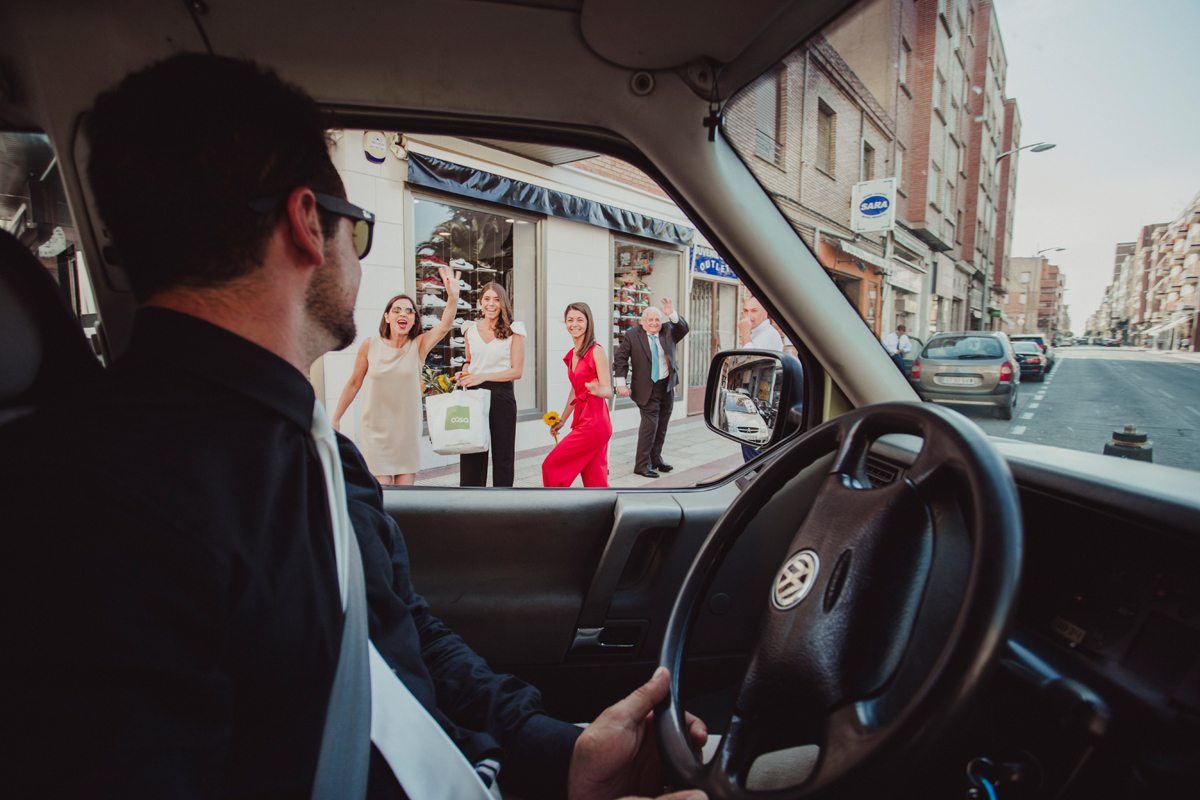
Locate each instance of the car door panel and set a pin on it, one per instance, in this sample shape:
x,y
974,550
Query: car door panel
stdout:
x,y
519,573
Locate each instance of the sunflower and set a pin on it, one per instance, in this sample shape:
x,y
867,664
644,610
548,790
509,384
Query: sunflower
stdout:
x,y
551,419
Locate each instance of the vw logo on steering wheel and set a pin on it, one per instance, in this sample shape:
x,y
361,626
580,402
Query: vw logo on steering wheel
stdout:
x,y
795,580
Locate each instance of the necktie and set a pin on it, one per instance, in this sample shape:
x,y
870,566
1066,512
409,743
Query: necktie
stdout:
x,y
423,758
654,358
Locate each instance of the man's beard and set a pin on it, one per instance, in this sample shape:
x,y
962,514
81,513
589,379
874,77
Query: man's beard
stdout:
x,y
327,306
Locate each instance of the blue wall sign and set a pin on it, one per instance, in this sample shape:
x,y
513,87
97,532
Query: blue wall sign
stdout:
x,y
706,261
874,205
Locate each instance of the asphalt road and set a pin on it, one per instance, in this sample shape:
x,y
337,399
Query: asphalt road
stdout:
x,y
1093,391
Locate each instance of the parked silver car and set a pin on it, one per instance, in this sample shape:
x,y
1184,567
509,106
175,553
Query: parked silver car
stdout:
x,y
974,368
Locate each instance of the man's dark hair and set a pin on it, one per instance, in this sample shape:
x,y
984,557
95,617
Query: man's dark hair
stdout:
x,y
901,329
181,149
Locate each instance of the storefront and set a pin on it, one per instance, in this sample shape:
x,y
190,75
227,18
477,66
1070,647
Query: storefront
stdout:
x,y
904,283
550,235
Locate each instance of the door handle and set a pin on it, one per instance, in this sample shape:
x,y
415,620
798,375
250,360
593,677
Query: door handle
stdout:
x,y
635,514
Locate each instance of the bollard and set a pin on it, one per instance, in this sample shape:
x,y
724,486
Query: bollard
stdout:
x,y
1130,444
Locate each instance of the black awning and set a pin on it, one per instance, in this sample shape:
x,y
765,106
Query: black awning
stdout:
x,y
457,179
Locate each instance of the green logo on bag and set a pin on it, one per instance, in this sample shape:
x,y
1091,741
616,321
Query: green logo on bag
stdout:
x,y
458,418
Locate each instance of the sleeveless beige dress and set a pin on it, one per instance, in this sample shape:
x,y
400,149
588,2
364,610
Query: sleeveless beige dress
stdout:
x,y
389,425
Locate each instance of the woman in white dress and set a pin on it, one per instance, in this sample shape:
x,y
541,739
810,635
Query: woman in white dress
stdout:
x,y
388,370
495,358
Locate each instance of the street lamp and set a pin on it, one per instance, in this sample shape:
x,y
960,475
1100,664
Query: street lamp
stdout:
x,y
1036,147
1049,250
1039,147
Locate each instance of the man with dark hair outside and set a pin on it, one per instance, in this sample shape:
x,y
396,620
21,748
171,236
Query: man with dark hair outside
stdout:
x,y
755,332
897,344
192,619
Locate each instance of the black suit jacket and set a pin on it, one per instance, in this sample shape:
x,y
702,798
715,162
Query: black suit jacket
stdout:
x,y
635,351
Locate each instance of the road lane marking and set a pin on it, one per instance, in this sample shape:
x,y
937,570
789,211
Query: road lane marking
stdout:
x,y
1168,394
1017,431
1027,415
1033,405
1194,411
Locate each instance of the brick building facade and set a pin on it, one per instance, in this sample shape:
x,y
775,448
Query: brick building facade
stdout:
x,y
914,91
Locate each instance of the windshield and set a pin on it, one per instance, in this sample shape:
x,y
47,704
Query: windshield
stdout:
x,y
1026,347
943,162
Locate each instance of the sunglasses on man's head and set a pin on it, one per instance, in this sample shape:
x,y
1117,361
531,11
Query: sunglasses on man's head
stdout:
x,y
364,221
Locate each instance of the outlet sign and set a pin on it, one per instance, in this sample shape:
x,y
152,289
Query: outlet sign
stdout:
x,y
873,206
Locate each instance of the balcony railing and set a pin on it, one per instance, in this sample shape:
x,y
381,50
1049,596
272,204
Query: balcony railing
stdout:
x,y
768,149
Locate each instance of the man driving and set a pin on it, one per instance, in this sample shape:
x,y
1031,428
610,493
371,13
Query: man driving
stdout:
x,y
221,607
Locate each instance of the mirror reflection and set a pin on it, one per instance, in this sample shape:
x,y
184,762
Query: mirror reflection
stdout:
x,y
748,398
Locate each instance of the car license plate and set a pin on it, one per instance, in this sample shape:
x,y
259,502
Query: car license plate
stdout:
x,y
954,380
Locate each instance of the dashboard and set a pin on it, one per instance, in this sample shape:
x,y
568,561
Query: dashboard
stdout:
x,y
1097,693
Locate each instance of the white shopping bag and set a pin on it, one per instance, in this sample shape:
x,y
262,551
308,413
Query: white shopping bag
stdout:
x,y
458,421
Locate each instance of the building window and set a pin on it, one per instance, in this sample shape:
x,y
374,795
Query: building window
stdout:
x,y
767,122
826,136
485,247
1022,299
904,51
939,95
935,185
949,198
899,169
958,227
868,162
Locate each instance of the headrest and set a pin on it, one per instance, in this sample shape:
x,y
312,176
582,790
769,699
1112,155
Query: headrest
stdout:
x,y
43,352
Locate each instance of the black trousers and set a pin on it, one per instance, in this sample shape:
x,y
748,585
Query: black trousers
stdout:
x,y
502,421
656,414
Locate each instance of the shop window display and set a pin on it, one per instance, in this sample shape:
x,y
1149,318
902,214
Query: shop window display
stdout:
x,y
642,276
484,247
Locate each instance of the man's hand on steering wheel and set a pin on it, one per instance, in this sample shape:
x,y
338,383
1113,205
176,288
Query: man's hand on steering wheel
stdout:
x,y
617,756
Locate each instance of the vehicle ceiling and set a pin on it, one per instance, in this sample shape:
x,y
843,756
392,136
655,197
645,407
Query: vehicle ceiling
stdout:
x,y
539,61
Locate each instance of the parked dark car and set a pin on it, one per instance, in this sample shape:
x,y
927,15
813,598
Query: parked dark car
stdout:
x,y
1043,342
1030,358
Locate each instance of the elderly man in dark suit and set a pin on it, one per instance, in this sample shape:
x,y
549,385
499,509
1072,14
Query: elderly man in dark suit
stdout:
x,y
650,350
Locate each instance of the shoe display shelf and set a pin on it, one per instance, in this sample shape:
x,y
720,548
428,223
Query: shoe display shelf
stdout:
x,y
631,296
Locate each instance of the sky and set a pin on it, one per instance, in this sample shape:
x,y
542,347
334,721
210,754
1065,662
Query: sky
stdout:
x,y
1116,86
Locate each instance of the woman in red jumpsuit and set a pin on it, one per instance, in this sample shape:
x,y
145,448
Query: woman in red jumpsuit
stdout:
x,y
585,449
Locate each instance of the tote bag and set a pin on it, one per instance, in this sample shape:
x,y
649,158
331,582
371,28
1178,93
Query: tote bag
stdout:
x,y
458,421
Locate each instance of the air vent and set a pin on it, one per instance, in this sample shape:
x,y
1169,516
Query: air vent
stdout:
x,y
880,473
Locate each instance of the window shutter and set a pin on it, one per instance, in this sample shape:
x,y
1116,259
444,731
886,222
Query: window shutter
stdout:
x,y
767,107
825,140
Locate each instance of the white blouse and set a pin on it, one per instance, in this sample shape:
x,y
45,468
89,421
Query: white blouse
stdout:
x,y
493,356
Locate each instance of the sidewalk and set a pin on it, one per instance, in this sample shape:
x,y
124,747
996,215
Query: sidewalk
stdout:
x,y
692,449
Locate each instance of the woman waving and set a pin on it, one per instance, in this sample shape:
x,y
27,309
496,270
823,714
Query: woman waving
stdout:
x,y
585,449
388,370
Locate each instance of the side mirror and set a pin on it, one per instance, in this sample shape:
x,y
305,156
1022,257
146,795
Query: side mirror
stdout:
x,y
754,396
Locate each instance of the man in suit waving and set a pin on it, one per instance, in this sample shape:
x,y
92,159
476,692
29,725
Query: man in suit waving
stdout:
x,y
650,351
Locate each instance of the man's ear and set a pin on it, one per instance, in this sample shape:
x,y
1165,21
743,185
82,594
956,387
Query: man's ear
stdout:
x,y
303,226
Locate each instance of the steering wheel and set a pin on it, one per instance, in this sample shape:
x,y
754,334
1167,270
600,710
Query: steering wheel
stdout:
x,y
882,620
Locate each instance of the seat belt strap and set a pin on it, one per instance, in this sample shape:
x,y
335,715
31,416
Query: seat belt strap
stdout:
x,y
345,755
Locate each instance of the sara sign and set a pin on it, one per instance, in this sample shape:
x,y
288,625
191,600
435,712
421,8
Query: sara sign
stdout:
x,y
873,206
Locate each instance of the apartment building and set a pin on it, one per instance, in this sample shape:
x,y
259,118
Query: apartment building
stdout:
x,y
1034,297
1152,299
